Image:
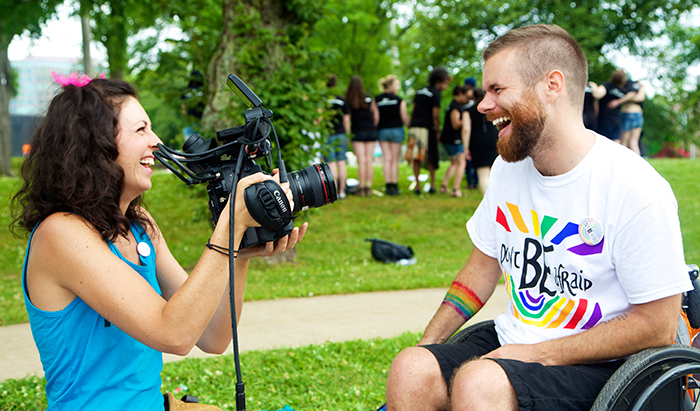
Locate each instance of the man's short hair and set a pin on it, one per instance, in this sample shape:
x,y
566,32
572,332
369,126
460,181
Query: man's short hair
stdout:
x,y
542,48
331,80
438,75
619,78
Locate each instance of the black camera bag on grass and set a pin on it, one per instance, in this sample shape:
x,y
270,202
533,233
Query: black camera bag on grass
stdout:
x,y
389,252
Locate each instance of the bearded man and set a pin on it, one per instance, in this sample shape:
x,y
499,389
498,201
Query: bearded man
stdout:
x,y
584,233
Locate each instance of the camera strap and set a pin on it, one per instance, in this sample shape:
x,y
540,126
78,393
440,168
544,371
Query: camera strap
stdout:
x,y
268,205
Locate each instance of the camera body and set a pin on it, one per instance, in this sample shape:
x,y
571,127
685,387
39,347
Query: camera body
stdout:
x,y
222,166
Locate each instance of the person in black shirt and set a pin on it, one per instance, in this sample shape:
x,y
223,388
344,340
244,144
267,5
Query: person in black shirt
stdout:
x,y
451,139
609,122
335,153
364,117
479,137
425,126
594,93
632,117
390,132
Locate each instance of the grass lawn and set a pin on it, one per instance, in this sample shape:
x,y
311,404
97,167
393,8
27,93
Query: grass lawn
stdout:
x,y
333,258
331,376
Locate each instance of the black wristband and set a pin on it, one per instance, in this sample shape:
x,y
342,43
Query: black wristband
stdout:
x,y
219,249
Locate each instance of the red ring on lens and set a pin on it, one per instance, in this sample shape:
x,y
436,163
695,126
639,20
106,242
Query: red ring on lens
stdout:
x,y
323,181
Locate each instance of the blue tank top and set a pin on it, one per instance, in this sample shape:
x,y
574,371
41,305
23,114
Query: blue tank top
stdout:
x,y
89,363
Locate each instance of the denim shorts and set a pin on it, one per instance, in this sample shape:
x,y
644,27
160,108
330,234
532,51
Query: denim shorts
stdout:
x,y
392,135
453,150
336,149
631,121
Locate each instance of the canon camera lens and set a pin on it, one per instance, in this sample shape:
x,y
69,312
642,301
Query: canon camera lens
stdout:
x,y
312,186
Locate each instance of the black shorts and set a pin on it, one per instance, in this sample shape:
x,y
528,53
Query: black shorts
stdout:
x,y
433,153
537,387
365,136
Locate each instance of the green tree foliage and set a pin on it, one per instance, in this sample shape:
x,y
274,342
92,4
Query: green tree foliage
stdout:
x,y
115,21
265,43
453,34
283,49
664,124
18,16
355,37
162,72
684,52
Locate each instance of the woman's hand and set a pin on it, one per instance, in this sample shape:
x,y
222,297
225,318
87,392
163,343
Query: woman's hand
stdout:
x,y
281,245
277,247
242,216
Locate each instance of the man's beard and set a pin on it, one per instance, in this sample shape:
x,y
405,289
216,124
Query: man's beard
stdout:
x,y
527,123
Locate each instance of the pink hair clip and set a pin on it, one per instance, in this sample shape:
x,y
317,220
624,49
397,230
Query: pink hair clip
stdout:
x,y
75,79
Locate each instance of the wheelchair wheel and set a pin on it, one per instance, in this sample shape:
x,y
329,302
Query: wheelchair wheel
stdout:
x,y
462,335
654,379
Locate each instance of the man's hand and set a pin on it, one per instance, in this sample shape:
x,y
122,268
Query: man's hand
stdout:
x,y
520,352
646,325
613,104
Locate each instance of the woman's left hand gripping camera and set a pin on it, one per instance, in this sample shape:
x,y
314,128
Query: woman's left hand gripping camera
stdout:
x,y
202,160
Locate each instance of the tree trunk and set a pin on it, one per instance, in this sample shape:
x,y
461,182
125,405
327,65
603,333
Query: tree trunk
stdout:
x,y
116,44
222,64
223,108
87,36
5,125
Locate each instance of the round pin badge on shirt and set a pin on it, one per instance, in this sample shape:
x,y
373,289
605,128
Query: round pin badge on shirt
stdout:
x,y
591,231
143,249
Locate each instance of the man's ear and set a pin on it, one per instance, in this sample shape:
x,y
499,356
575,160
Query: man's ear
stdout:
x,y
555,82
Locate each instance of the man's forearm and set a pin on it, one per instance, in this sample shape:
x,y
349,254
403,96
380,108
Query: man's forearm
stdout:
x,y
644,326
445,322
471,289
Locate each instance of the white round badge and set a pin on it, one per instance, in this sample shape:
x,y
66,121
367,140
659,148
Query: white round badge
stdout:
x,y
591,231
143,249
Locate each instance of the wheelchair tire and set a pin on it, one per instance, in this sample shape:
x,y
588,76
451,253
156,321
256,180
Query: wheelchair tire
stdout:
x,y
626,388
462,335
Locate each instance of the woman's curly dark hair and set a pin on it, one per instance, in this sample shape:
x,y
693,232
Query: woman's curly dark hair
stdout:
x,y
71,166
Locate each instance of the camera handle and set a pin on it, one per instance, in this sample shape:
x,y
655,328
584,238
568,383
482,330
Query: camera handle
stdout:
x,y
269,206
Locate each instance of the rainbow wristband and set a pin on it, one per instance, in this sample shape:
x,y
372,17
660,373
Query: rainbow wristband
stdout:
x,y
463,300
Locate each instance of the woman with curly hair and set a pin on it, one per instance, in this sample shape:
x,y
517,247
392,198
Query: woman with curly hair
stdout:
x,y
104,294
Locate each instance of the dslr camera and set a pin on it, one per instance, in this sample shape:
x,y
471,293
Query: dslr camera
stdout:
x,y
221,163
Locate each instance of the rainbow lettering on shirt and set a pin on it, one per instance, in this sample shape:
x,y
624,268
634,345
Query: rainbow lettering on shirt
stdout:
x,y
542,228
533,299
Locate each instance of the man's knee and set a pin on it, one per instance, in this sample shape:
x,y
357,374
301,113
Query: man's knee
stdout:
x,y
482,384
414,363
415,382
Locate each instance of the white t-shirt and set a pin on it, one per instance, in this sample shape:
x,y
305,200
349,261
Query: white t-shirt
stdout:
x,y
561,282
